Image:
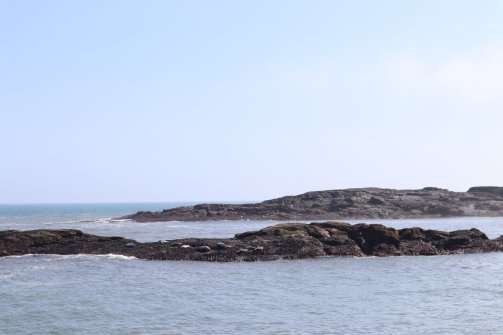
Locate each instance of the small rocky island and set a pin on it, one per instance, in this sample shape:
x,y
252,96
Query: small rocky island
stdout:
x,y
356,203
282,241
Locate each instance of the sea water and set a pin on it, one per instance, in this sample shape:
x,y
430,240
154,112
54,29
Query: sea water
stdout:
x,y
111,294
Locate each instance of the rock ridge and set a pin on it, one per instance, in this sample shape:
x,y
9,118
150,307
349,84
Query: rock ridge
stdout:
x,y
354,203
282,241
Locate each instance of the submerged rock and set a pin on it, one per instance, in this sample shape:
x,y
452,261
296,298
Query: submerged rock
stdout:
x,y
282,241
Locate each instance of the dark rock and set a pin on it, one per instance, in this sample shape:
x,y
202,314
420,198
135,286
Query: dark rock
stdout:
x,y
429,188
435,235
369,236
411,234
376,201
417,247
282,241
492,190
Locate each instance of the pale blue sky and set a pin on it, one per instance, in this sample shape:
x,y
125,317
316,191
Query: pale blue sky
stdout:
x,y
246,100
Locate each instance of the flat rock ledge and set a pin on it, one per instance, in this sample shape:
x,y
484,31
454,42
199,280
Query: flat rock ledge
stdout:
x,y
355,203
282,241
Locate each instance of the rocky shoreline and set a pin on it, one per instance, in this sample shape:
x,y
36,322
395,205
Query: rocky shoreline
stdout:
x,y
357,203
282,241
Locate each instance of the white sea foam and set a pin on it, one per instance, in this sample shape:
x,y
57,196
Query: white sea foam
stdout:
x,y
90,256
119,220
80,221
115,256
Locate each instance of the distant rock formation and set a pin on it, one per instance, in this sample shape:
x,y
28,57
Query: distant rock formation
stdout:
x,y
282,241
356,203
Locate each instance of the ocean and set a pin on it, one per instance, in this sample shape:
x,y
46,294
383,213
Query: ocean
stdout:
x,y
111,294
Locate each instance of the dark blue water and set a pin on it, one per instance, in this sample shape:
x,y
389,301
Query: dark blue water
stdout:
x,y
83,294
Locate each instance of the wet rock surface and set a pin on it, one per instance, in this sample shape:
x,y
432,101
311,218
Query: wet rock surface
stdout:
x,y
282,241
358,203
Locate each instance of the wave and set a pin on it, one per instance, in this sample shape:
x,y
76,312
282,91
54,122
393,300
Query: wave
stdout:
x,y
75,256
115,256
119,220
91,256
91,221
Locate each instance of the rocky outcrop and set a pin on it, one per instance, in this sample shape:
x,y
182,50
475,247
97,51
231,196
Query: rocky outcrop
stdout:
x,y
282,241
494,191
358,203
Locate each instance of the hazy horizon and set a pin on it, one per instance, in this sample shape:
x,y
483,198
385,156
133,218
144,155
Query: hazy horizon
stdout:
x,y
123,101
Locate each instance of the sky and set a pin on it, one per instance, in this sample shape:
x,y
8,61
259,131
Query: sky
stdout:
x,y
126,101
